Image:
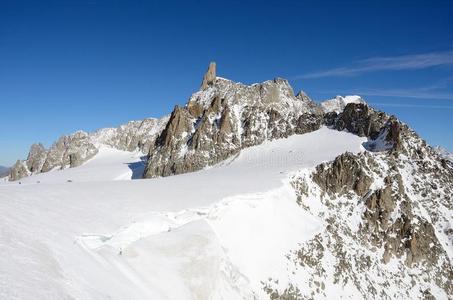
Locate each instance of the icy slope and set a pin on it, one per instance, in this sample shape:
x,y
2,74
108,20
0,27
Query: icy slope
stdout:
x,y
213,234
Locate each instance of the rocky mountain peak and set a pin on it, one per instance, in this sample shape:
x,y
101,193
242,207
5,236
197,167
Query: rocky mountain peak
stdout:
x,y
225,117
303,96
36,157
209,76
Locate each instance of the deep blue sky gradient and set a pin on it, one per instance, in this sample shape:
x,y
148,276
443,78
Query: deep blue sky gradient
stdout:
x,y
69,65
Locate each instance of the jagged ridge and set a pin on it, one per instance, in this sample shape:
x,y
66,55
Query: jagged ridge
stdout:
x,y
387,212
75,149
225,117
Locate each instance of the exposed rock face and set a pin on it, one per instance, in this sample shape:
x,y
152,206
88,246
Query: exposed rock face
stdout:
x,y
358,118
315,108
36,158
382,130
388,228
224,118
75,149
18,171
342,175
209,77
135,135
70,150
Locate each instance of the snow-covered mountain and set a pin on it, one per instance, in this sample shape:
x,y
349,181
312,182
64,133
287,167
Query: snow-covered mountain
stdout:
x,y
273,197
225,117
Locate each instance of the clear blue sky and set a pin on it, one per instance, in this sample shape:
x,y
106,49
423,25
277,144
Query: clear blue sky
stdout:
x,y
69,65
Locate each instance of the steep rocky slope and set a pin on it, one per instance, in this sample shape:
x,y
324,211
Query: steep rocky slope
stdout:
x,y
225,117
387,216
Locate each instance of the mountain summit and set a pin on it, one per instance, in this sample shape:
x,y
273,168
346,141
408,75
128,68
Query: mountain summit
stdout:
x,y
225,117
290,200
209,77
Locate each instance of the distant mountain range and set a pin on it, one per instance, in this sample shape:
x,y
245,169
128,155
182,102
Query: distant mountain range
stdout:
x,y
4,171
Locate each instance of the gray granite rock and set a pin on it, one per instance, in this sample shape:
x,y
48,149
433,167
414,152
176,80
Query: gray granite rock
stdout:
x,y
209,76
225,117
18,171
69,151
36,158
132,136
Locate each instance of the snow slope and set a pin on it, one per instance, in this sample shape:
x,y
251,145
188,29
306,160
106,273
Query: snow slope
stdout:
x,y
108,164
212,234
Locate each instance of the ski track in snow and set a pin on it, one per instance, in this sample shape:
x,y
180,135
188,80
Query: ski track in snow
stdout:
x,y
211,234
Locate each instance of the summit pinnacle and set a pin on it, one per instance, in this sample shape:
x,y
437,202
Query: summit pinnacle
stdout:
x,y
209,76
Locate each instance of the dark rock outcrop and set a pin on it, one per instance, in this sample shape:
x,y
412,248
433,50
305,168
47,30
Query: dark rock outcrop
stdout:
x,y
358,118
344,174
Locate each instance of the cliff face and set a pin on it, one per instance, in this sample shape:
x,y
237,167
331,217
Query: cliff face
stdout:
x,y
225,117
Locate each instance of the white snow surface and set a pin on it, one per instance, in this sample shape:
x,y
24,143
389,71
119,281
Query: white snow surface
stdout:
x,y
108,164
213,234
339,103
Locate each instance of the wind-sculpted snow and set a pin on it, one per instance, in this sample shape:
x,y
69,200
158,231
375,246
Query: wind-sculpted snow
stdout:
x,y
213,234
